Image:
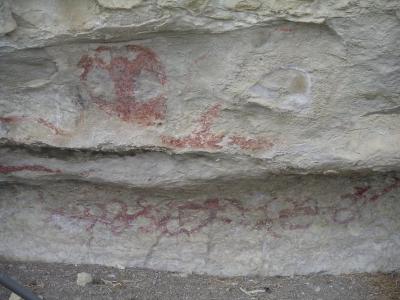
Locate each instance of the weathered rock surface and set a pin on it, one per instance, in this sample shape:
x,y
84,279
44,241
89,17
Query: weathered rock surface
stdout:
x,y
280,225
209,99
7,22
294,94
83,278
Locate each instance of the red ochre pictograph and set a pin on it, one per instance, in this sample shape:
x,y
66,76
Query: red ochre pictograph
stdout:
x,y
274,216
124,67
15,120
31,168
202,136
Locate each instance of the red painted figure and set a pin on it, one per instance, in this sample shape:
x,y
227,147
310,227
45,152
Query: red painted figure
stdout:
x,y
124,74
201,137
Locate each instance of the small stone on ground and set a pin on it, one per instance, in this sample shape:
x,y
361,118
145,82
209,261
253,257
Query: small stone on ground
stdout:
x,y
14,297
83,279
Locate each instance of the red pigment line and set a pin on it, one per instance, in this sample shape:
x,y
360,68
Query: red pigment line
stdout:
x,y
150,61
11,119
385,190
349,219
361,191
300,214
285,29
86,62
51,126
250,143
32,168
118,222
124,74
201,137
210,206
41,121
208,118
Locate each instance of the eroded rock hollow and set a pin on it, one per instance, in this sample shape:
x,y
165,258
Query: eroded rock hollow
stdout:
x,y
213,136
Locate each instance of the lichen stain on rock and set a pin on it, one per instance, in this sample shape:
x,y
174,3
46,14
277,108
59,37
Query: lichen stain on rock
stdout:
x,y
110,77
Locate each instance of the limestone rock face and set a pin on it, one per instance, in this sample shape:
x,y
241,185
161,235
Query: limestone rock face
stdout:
x,y
119,4
7,22
282,225
163,98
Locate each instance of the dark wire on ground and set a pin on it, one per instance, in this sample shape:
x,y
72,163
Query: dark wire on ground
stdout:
x,y
17,288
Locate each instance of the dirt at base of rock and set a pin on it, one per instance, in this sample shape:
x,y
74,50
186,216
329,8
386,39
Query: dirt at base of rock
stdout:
x,y
58,281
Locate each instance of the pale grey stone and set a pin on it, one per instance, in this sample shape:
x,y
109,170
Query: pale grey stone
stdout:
x,y
14,297
7,22
124,4
83,278
242,4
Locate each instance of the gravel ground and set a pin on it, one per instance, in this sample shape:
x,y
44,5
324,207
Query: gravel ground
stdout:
x,y
58,281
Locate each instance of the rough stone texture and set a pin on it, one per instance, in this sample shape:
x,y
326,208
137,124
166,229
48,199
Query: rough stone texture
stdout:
x,y
54,281
122,4
14,297
7,22
274,226
83,278
191,96
293,94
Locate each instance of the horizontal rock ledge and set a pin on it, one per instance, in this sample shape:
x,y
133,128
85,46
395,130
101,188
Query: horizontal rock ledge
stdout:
x,y
142,169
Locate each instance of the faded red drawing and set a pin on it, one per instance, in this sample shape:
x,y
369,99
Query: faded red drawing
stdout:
x,y
174,217
201,137
361,197
124,74
250,143
286,29
18,119
32,168
117,220
11,119
387,189
51,126
191,217
285,214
